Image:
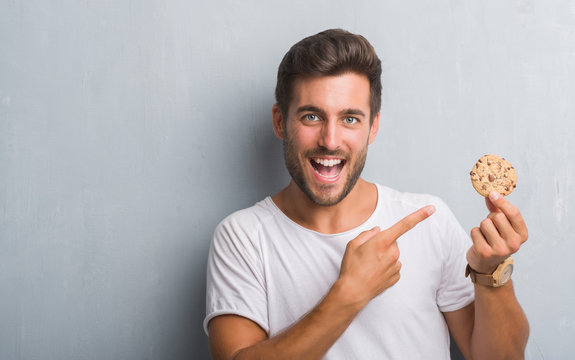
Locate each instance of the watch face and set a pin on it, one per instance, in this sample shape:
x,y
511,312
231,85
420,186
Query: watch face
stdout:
x,y
506,274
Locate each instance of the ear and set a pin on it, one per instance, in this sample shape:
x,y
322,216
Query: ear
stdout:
x,y
374,128
278,120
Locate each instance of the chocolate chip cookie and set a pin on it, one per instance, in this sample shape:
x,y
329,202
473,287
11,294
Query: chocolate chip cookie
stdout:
x,y
492,173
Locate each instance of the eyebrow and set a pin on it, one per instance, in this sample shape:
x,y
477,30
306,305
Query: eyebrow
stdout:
x,y
353,112
311,108
315,109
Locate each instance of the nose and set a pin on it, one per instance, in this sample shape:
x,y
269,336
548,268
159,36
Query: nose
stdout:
x,y
329,137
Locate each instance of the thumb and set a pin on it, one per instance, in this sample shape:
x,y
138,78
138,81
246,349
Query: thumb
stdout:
x,y
490,206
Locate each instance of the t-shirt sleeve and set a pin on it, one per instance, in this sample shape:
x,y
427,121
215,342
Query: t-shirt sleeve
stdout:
x,y
455,290
235,281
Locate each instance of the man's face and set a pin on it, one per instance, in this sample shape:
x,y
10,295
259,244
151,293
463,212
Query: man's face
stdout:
x,y
326,134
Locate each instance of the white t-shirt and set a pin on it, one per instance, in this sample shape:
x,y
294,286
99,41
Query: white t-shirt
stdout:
x,y
267,268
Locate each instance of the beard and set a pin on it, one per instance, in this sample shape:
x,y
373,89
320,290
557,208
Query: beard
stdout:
x,y
323,198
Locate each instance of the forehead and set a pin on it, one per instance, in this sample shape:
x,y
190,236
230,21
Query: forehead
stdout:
x,y
348,90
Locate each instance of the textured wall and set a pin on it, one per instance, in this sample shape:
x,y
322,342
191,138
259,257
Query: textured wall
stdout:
x,y
129,129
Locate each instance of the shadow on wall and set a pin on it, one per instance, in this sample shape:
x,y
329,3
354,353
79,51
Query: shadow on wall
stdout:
x,y
455,353
267,172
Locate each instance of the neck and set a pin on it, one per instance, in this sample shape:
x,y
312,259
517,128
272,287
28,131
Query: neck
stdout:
x,y
349,213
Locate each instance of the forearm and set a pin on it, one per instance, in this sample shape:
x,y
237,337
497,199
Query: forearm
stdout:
x,y
313,335
500,329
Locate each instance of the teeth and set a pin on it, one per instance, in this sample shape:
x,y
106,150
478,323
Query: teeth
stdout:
x,y
327,162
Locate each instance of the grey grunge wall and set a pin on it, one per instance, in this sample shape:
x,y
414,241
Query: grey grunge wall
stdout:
x,y
129,129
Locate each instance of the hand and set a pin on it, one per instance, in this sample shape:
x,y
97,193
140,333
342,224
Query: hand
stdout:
x,y
501,234
371,264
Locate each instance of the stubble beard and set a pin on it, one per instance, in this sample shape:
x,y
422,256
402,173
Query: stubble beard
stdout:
x,y
295,169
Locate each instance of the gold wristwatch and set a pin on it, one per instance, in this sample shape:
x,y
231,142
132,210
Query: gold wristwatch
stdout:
x,y
500,276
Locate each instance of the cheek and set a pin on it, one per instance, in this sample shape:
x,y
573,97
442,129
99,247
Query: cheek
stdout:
x,y
358,141
292,146
303,137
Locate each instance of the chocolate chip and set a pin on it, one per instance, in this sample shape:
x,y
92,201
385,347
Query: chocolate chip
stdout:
x,y
491,178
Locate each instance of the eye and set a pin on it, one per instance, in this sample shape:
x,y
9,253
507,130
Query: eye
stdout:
x,y
311,117
350,120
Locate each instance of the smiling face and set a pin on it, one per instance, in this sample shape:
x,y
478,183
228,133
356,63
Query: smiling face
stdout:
x,y
325,133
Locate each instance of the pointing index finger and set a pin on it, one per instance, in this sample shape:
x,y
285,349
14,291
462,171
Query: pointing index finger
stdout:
x,y
409,222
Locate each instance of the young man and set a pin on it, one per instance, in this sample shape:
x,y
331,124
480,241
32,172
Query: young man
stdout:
x,y
314,271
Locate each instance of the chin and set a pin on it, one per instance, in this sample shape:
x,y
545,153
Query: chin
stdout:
x,y
328,194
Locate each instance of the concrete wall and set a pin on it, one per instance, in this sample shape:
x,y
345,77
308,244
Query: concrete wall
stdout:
x,y
129,129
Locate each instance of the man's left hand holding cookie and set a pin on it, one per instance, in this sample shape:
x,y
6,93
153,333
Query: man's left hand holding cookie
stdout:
x,y
501,234
494,326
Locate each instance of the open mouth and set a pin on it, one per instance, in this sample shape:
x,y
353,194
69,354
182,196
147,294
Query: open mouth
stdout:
x,y
327,169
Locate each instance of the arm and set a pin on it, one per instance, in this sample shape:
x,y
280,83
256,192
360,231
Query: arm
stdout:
x,y
370,265
494,327
235,337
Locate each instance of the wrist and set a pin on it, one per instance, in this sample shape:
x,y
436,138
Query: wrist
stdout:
x,y
346,295
495,278
486,267
483,269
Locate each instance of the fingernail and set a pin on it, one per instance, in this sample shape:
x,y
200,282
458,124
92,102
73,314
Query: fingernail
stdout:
x,y
430,210
494,196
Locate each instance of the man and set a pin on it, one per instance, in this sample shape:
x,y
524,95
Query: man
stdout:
x,y
314,271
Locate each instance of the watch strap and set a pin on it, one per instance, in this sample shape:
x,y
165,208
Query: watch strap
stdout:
x,y
478,278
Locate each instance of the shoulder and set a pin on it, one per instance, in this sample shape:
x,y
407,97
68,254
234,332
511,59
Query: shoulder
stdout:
x,y
246,223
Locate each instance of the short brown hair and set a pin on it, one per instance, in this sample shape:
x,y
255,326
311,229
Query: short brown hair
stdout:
x,y
329,53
